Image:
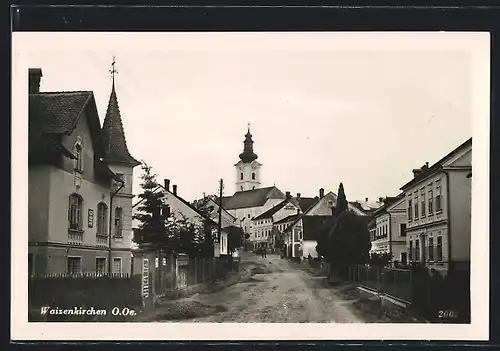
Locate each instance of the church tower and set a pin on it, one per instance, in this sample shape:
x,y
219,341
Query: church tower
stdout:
x,y
248,169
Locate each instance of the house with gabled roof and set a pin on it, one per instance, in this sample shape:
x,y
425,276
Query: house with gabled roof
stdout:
x,y
245,205
263,234
301,236
79,184
181,208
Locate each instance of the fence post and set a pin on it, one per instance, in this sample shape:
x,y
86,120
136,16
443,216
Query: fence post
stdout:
x,y
195,271
203,270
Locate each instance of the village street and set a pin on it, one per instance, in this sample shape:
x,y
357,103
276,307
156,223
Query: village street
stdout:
x,y
268,290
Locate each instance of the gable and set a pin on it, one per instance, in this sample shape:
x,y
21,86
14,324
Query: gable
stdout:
x,y
464,159
398,205
324,206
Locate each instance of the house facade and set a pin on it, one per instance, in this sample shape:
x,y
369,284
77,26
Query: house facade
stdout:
x,y
79,184
438,212
263,224
302,236
389,231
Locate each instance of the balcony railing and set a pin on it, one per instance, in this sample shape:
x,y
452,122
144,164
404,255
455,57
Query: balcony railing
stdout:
x,y
102,240
75,237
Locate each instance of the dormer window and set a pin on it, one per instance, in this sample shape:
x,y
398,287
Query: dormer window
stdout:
x,y
78,151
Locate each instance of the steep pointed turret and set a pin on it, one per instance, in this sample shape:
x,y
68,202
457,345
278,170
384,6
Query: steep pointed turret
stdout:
x,y
113,133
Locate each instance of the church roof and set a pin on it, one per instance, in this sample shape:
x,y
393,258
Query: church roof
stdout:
x,y
114,135
252,198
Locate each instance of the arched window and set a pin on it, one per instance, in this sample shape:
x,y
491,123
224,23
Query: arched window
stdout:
x,y
253,188
253,175
118,221
241,176
78,151
102,218
241,188
75,212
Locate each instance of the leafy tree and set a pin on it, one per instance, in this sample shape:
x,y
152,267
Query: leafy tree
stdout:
x,y
234,237
151,212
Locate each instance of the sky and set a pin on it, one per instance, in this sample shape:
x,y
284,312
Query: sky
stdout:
x,y
319,115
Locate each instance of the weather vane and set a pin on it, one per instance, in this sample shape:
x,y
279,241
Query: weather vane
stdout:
x,y
248,126
113,70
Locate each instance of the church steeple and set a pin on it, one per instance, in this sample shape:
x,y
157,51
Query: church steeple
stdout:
x,y
112,130
248,156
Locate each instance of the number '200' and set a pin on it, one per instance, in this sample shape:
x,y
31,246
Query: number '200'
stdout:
x,y
447,314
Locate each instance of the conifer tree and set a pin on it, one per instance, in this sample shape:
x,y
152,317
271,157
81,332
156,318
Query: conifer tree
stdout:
x,y
151,212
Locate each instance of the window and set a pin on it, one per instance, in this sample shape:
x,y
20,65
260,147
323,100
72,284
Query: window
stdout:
x,y
102,218
241,177
249,215
75,212
403,257
422,202
439,248
410,251
431,199
117,265
253,175
118,222
416,206
417,250
438,196
402,229
410,210
100,265
78,151
431,249
253,188
74,265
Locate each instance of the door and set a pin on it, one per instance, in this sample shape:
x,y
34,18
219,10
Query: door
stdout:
x,y
182,279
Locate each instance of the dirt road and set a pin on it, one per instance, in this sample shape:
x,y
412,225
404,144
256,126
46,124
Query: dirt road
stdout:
x,y
272,290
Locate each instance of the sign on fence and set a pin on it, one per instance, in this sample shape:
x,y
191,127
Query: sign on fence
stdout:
x,y
145,278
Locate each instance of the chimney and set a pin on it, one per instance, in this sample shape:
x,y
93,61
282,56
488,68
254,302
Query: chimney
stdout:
x,y
381,199
35,75
298,196
166,184
288,196
174,189
366,199
416,172
321,193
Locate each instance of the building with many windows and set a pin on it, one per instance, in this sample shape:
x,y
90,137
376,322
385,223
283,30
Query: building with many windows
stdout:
x,y
438,211
388,234
79,184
